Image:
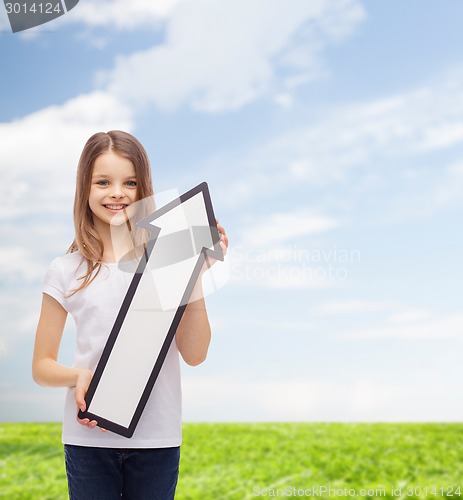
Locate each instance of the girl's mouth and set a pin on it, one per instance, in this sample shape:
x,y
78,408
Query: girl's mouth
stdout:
x,y
115,207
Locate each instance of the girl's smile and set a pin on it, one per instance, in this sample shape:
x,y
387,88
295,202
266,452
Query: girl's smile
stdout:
x,y
115,208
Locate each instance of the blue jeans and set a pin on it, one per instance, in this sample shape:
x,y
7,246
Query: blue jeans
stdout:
x,y
115,474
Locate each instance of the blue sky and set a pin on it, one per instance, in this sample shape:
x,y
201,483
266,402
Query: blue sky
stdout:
x,y
330,133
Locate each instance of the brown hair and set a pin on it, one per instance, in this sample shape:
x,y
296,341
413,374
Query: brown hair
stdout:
x,y
87,239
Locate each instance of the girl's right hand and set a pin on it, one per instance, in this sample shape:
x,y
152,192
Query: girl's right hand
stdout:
x,y
83,381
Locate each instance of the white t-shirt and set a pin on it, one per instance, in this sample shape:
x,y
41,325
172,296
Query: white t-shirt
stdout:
x,y
94,310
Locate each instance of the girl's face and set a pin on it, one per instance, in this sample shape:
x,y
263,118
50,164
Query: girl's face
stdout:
x,y
113,188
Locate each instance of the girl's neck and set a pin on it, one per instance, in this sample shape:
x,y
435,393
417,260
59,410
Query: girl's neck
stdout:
x,y
116,241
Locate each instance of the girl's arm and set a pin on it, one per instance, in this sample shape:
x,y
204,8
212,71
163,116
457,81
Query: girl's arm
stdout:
x,y
46,370
194,332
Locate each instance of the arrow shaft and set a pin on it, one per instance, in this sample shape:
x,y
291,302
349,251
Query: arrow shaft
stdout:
x,y
147,328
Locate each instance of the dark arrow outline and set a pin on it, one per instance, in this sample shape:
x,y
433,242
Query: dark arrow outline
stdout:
x,y
203,254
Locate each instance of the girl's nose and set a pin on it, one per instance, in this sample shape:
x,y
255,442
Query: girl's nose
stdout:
x,y
117,192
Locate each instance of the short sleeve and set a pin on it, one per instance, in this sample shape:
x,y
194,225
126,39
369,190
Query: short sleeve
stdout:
x,y
53,284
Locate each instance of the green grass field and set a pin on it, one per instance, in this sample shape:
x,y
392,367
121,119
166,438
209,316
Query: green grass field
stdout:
x,y
241,461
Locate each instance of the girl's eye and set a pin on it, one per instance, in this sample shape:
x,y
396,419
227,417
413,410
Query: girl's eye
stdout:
x,y
102,183
131,183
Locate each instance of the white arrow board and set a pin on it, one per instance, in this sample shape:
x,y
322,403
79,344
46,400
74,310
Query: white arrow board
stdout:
x,y
184,233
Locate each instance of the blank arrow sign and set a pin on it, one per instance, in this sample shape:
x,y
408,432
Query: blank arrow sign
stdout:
x,y
152,309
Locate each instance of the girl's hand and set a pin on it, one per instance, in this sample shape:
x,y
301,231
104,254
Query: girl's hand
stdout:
x,y
223,241
83,381
223,238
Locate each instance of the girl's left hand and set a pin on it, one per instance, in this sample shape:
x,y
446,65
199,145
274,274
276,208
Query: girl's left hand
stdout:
x,y
223,238
83,381
223,241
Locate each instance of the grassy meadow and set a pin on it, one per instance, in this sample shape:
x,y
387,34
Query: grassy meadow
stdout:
x,y
242,461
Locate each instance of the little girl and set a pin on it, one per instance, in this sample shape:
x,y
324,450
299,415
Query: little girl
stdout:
x,y
113,173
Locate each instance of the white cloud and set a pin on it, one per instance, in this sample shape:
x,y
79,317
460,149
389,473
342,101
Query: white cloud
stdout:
x,y
217,56
19,263
402,322
284,100
409,316
222,55
40,140
287,277
281,227
456,169
351,306
18,316
442,328
374,153
120,14
449,189
407,124
366,399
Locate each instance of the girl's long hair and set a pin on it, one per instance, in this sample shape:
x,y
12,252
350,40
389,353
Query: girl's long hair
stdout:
x,y
87,239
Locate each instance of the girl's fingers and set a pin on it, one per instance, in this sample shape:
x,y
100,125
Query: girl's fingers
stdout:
x,y
222,234
83,381
80,398
223,239
86,422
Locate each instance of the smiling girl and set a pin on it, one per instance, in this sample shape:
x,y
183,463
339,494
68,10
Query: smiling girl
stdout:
x,y
113,174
